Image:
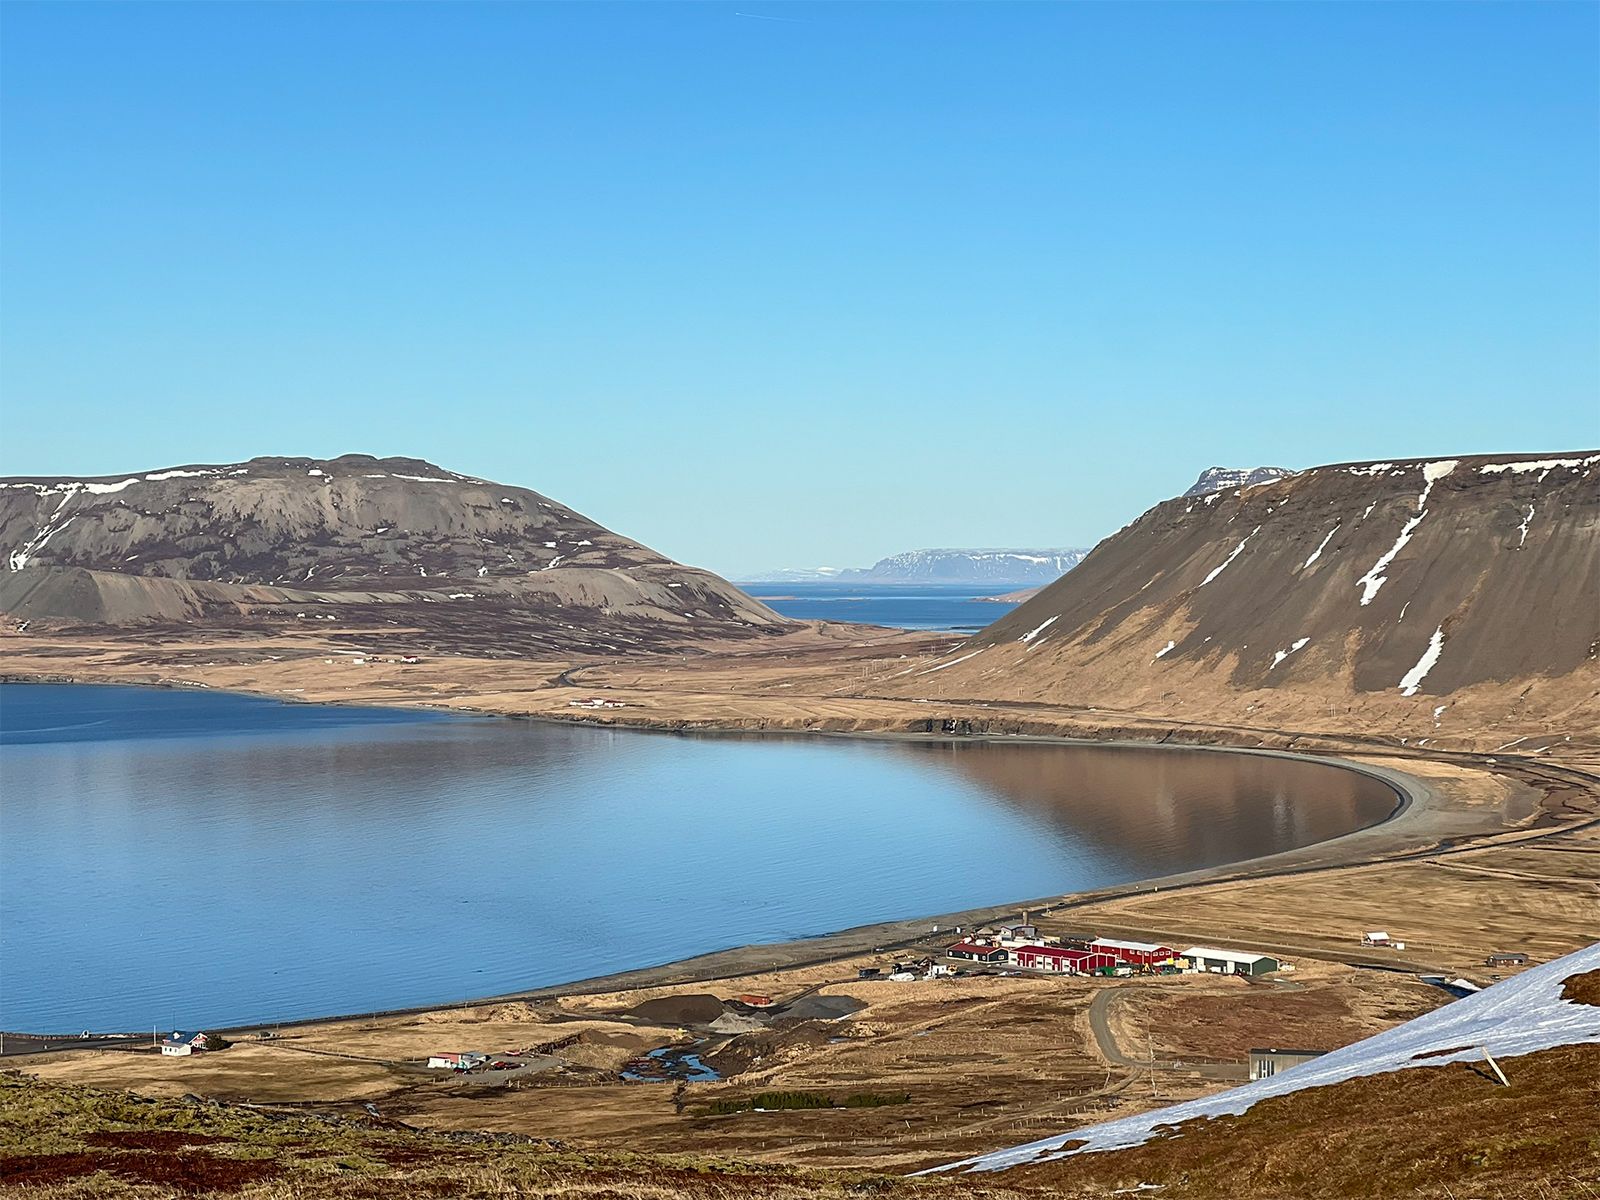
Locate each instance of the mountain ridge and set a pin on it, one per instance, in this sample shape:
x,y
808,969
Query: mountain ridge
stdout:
x,y
356,538
946,565
1397,591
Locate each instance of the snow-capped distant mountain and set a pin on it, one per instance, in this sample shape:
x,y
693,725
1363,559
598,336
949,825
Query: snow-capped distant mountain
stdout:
x,y
795,575
1218,478
972,566
1012,567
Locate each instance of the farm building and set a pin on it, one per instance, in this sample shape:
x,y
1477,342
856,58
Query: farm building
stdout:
x,y
1264,1064
1506,960
181,1045
977,952
1229,962
457,1062
1138,954
1071,962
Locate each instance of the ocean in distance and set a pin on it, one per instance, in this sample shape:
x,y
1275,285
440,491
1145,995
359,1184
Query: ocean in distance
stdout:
x,y
959,608
187,858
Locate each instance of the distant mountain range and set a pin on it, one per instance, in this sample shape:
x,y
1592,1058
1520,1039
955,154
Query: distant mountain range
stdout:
x,y
980,566
1218,479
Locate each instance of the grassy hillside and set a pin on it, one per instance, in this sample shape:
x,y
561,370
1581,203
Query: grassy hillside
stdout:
x,y
81,1142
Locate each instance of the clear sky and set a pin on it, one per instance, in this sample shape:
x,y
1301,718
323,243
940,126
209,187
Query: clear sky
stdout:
x,y
780,285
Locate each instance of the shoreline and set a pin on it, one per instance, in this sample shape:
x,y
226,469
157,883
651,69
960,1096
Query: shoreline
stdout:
x,y
1415,800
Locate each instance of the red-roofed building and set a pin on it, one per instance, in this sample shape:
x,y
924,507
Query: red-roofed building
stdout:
x,y
1058,958
1138,954
977,952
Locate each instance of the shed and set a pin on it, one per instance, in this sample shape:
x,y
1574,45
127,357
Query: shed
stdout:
x,y
1264,1064
1229,962
976,952
1506,960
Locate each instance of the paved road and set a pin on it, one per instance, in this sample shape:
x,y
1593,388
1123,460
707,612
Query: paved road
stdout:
x,y
1100,1026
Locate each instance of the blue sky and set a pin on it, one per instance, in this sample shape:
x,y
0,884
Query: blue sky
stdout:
x,y
780,285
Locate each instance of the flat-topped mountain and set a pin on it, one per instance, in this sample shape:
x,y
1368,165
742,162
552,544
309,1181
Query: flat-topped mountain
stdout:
x,y
981,566
1415,596
1220,479
356,539
972,566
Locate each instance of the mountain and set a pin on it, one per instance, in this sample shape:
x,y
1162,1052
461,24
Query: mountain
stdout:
x,y
1427,597
796,575
1219,479
1010,567
971,566
358,540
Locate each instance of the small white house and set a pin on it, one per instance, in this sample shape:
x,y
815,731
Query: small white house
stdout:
x,y
181,1045
456,1062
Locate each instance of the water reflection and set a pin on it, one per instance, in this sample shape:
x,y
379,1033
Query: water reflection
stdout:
x,y
179,859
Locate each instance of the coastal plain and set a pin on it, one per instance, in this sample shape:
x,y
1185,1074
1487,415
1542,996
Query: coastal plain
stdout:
x,y
1492,852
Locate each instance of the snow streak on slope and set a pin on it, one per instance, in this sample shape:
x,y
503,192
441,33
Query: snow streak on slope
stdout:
x,y
1519,1016
1414,677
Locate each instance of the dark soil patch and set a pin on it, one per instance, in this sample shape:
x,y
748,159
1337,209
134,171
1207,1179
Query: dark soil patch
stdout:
x,y
822,1008
152,1139
194,1174
42,1170
199,1173
1582,989
699,1009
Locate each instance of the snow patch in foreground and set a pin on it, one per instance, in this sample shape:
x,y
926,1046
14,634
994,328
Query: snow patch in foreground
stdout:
x,y
1519,1016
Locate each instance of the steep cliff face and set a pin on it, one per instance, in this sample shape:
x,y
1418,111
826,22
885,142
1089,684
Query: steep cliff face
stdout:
x,y
353,539
1412,595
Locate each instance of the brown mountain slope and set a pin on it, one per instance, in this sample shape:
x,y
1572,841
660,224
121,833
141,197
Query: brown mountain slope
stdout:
x,y
364,541
1425,597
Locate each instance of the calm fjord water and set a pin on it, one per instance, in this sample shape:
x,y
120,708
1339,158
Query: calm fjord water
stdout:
x,y
195,858
958,607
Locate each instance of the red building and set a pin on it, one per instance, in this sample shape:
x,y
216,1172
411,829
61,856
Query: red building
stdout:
x,y
1138,954
1059,958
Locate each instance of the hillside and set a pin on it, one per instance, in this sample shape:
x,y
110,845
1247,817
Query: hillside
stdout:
x,y
1551,1005
356,540
75,1142
1394,598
